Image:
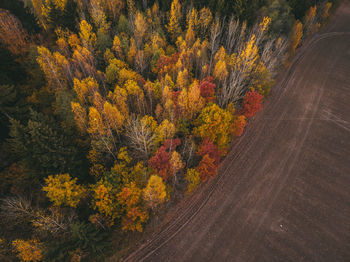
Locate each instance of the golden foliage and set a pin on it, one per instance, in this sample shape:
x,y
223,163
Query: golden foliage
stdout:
x,y
85,89
28,250
297,34
164,131
154,193
63,190
173,27
105,200
193,179
190,101
87,37
80,116
214,123
264,24
114,118
96,126
176,163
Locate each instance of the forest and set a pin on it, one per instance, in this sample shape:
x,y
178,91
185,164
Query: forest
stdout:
x,y
112,110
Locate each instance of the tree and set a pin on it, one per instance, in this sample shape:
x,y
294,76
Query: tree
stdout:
x,y
117,47
43,146
105,200
55,67
161,159
252,103
96,128
176,164
113,116
130,197
140,29
214,123
12,34
207,89
238,125
63,190
310,21
154,193
325,12
80,117
208,148
166,130
28,250
296,36
141,135
88,38
206,168
173,27
190,101
193,179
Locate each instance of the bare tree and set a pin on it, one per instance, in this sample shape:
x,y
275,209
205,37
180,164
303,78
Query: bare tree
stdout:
x,y
141,137
214,39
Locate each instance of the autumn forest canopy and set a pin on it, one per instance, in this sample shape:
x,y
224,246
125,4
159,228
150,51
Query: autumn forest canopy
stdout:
x,y
112,110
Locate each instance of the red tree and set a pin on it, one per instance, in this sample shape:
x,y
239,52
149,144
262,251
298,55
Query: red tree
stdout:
x,y
239,125
161,160
208,148
207,87
207,168
252,103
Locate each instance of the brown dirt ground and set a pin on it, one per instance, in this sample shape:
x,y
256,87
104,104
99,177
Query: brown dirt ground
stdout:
x,y
283,193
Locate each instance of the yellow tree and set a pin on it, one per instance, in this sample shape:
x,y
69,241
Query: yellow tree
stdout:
x,y
190,101
105,200
135,94
205,19
173,27
113,116
96,126
132,51
248,58
117,47
119,98
176,164
182,79
28,250
296,36
214,123
60,4
310,25
63,190
85,89
88,38
39,10
55,67
166,130
80,116
140,28
154,193
193,179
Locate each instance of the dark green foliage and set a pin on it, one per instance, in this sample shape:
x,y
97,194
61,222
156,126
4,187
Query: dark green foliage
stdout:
x,y
82,236
43,147
281,16
11,72
64,19
12,105
300,7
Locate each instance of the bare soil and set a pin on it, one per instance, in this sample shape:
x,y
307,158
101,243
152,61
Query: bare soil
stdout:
x,y
283,193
